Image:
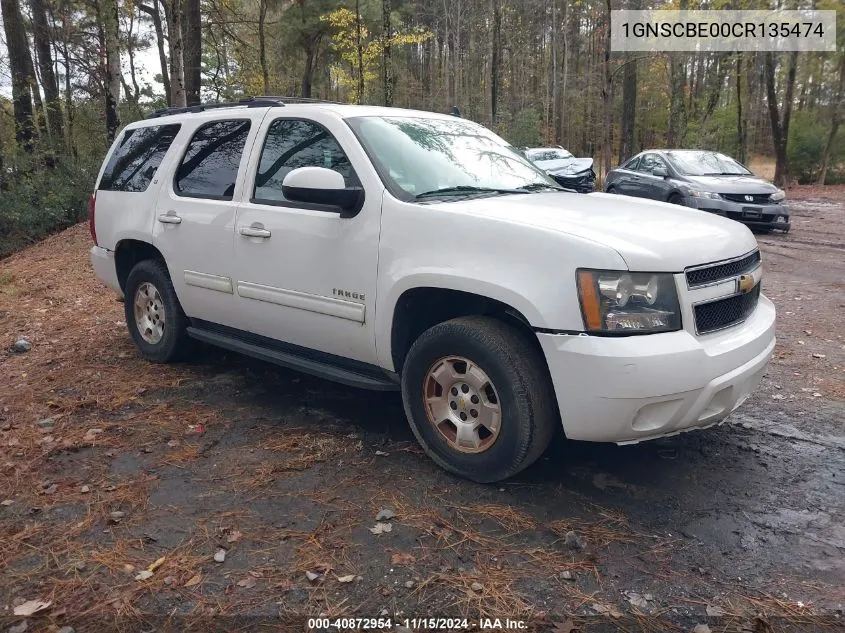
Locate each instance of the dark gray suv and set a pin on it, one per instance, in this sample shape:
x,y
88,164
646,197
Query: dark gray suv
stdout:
x,y
702,180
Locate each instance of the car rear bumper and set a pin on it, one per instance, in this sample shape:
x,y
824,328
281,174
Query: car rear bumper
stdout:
x,y
102,260
764,216
629,389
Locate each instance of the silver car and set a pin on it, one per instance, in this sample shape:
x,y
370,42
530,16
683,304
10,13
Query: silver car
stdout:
x,y
702,180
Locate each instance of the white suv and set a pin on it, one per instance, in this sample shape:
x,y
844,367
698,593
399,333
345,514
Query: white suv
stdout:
x,y
395,249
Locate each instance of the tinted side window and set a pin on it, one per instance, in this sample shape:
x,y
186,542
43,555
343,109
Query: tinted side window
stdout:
x,y
210,166
135,160
648,163
632,164
291,144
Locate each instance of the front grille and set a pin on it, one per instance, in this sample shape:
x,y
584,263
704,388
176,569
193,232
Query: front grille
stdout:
x,y
718,272
756,198
723,313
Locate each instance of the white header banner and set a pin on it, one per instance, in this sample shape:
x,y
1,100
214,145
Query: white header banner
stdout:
x,y
718,30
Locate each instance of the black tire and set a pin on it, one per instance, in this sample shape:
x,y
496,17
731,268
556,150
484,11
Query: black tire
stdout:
x,y
175,344
676,199
611,189
517,370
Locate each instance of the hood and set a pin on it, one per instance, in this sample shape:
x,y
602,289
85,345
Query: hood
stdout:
x,y
565,166
732,184
650,236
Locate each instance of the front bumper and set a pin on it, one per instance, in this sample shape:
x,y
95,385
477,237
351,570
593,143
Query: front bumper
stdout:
x,y
102,261
762,216
634,388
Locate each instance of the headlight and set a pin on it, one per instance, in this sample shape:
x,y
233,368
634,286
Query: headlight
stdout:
x,y
778,195
621,302
704,194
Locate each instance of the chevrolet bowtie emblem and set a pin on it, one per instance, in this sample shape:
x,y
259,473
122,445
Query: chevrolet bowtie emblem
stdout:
x,y
745,283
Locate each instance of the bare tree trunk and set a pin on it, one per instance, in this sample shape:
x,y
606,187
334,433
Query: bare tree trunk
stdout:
x,y
780,121
41,29
153,12
18,50
741,132
607,97
387,61
495,63
262,45
173,12
677,105
835,115
66,36
629,110
359,45
193,51
112,74
135,93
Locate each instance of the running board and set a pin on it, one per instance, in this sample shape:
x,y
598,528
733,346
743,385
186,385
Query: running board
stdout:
x,y
362,376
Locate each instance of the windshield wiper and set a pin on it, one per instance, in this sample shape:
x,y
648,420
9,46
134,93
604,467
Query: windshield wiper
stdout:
x,y
467,190
537,186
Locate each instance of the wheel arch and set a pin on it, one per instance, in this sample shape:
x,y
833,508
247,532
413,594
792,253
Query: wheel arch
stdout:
x,y
129,252
421,307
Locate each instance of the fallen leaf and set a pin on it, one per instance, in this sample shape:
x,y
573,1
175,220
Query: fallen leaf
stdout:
x,y
715,612
382,454
247,583
311,576
195,580
144,575
31,606
156,564
234,537
401,558
346,579
381,528
565,627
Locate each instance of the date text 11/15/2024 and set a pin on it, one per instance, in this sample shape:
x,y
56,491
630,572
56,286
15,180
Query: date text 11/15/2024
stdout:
x,y
431,624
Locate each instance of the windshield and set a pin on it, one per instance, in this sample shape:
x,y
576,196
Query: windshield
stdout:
x,y
418,156
547,154
691,163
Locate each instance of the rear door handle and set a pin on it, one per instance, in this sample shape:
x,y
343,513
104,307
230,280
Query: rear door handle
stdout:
x,y
256,230
169,218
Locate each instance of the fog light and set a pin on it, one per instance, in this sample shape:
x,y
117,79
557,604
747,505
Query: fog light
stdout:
x,y
781,219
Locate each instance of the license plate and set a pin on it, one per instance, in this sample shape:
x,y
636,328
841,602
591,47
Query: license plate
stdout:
x,y
752,212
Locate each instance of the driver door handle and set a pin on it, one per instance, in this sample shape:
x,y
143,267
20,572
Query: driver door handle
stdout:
x,y
255,230
169,218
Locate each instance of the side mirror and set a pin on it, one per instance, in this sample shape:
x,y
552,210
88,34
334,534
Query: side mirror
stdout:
x,y
660,172
321,186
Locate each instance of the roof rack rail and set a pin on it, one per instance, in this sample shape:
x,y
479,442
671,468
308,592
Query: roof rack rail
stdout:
x,y
284,99
248,102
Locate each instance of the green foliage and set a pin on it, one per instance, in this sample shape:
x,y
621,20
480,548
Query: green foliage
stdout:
x,y
525,129
38,200
808,136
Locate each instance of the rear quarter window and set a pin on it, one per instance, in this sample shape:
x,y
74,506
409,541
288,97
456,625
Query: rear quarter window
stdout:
x,y
137,157
209,168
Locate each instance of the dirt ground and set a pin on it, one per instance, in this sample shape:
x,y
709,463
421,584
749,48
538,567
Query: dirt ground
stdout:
x,y
121,481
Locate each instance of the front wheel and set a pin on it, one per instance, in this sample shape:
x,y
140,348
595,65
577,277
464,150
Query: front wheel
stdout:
x,y
479,399
676,199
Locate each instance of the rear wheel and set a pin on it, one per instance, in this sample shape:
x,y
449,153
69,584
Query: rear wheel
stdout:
x,y
478,398
155,319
